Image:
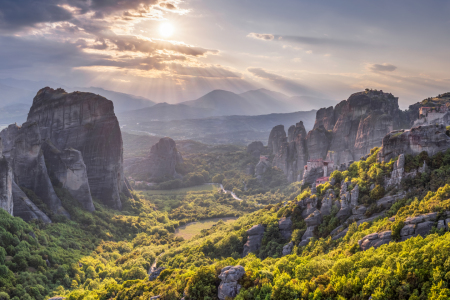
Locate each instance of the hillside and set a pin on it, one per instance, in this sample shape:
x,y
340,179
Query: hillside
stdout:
x,y
214,130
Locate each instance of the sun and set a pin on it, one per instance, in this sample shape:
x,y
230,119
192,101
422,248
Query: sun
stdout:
x,y
166,29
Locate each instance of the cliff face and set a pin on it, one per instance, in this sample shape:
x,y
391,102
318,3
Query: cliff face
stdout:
x,y
161,162
363,121
6,199
23,149
85,122
430,138
68,169
290,152
341,134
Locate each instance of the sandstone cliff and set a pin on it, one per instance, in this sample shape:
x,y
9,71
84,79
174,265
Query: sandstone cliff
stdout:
x,y
341,134
85,122
160,163
6,199
23,149
430,138
67,168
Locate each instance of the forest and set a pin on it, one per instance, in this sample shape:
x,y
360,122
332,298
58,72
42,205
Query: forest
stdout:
x,y
107,254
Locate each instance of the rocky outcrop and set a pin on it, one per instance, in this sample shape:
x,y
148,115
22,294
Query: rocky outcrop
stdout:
x,y
6,181
255,149
310,175
68,169
155,273
327,202
24,208
255,235
430,138
290,154
287,249
22,147
277,134
85,122
375,240
364,119
325,117
285,226
229,286
419,225
341,134
160,163
317,142
261,168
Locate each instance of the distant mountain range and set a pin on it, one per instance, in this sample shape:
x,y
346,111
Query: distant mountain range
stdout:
x,y
224,103
16,97
240,130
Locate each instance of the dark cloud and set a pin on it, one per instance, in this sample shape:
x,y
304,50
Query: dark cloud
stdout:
x,y
17,14
285,84
382,67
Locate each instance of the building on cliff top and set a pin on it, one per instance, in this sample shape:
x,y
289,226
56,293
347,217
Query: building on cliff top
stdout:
x,y
326,165
432,115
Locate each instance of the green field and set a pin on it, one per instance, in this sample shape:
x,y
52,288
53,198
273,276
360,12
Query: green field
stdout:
x,y
190,230
199,188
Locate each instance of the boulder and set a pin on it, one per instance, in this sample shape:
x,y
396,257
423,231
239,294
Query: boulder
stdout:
x,y
408,230
85,122
229,286
285,226
255,235
314,219
287,249
424,228
375,240
440,225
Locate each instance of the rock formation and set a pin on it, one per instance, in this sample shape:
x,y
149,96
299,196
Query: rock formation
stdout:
x,y
255,149
290,153
161,162
229,286
85,122
341,134
24,208
375,240
285,226
255,235
23,149
287,249
430,138
68,169
6,181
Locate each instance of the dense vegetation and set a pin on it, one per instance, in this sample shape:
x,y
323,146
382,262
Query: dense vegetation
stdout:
x,y
106,254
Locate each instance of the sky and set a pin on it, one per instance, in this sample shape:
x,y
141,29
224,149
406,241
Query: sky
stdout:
x,y
178,50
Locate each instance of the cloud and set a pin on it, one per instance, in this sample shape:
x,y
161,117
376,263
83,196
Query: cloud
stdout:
x,y
261,36
313,44
381,67
16,14
285,84
19,14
